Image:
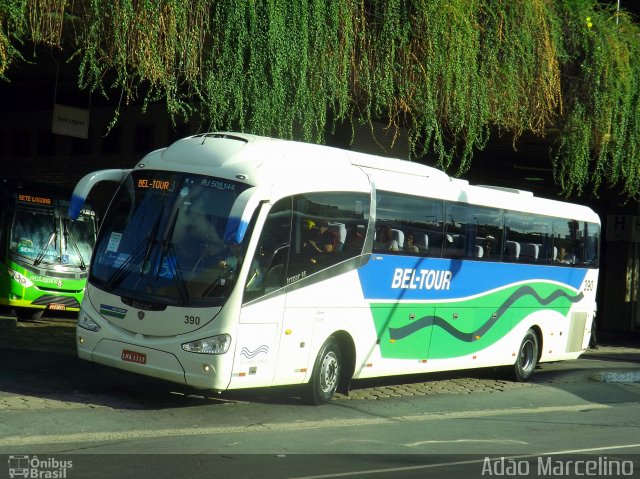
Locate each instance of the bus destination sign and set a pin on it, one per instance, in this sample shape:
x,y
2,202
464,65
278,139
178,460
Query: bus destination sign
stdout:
x,y
164,184
40,200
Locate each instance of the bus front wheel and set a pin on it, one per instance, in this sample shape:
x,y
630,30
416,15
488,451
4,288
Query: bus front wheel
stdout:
x,y
527,358
326,374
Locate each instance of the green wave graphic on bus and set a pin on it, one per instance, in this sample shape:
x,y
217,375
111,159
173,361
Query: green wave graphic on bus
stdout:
x,y
445,330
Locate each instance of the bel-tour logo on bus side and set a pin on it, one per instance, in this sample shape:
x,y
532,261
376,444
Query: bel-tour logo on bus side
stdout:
x,y
40,200
114,311
409,278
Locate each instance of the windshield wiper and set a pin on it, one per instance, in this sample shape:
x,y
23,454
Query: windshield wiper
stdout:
x,y
152,241
123,270
68,236
168,249
43,251
172,259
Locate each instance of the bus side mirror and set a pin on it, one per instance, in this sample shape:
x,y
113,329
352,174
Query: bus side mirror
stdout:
x,y
84,186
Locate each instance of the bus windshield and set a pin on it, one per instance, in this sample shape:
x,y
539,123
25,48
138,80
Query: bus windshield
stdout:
x,y
78,238
35,236
162,240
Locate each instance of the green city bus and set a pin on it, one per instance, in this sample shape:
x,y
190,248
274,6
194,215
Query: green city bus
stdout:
x,y
44,256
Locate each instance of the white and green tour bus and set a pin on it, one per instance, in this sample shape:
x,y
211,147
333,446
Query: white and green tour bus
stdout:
x,y
230,261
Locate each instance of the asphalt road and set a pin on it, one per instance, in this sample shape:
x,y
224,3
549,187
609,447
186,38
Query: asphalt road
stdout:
x,y
110,423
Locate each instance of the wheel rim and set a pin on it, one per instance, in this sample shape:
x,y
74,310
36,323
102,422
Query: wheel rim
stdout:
x,y
329,372
526,355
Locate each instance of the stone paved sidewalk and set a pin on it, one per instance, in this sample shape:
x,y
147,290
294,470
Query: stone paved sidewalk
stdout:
x,y
58,335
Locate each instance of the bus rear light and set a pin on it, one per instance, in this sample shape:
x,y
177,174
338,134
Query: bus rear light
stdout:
x,y
214,345
19,278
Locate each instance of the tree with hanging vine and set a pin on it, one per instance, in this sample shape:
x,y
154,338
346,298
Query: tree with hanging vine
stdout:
x,y
444,72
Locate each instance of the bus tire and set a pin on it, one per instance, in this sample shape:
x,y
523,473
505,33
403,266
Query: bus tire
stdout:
x,y
326,374
527,358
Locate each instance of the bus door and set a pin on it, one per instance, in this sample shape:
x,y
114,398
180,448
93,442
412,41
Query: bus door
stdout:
x,y
264,299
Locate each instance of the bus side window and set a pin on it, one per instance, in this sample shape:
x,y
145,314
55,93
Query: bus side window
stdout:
x,y
592,244
268,266
327,228
566,241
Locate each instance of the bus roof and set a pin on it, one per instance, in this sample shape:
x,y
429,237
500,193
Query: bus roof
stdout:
x,y
266,162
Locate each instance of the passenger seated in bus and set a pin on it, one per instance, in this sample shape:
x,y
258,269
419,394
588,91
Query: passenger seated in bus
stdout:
x,y
385,241
340,230
563,257
487,246
321,238
233,262
306,227
355,239
410,243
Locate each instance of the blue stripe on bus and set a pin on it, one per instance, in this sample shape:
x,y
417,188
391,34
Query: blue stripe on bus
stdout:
x,y
75,206
391,277
235,230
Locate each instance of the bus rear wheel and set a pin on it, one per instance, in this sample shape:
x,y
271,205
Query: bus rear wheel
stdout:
x,y
527,358
326,374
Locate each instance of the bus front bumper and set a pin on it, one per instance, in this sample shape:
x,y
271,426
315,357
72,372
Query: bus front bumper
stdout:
x,y
152,362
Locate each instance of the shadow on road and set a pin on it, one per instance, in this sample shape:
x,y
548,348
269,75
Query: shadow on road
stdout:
x,y
38,359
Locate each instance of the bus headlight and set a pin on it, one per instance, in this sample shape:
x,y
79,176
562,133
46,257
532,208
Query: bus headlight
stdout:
x,y
85,322
19,278
213,345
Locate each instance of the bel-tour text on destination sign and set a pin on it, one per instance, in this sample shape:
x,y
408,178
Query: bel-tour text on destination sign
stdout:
x,y
553,467
409,278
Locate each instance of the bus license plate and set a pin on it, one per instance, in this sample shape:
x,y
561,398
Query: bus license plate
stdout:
x,y
57,307
133,357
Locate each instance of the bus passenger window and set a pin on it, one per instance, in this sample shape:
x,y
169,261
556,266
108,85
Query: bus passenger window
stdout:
x,y
269,262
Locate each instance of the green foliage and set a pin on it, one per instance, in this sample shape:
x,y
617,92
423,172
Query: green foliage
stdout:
x,y
13,27
600,139
444,72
